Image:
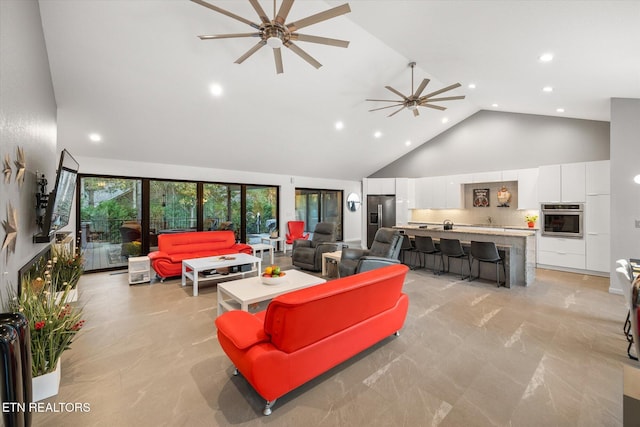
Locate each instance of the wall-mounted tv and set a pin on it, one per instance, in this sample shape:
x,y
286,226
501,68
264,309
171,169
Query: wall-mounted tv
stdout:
x,y
60,200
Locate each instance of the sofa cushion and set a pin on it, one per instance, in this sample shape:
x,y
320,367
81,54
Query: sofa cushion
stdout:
x,y
197,242
241,328
300,318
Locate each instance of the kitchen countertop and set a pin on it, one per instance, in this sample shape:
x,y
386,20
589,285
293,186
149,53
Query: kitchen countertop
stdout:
x,y
473,229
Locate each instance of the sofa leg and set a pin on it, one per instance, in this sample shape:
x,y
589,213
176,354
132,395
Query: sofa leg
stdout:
x,y
267,407
235,372
396,333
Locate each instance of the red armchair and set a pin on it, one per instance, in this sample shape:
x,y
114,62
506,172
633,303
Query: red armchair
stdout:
x,y
296,231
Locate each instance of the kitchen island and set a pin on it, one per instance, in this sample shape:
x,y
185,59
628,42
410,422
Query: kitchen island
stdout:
x,y
518,248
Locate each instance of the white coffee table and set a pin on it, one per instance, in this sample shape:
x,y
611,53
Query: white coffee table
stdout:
x,y
261,247
191,268
239,294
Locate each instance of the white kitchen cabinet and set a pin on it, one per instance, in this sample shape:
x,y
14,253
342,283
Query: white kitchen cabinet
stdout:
x,y
402,201
597,232
598,177
573,182
549,177
598,252
494,176
561,252
439,188
562,183
454,195
381,186
424,193
412,193
510,175
528,189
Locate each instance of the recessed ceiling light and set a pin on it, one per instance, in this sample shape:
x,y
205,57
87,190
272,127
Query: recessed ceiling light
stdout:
x,y
472,86
445,120
546,57
547,89
94,137
407,143
494,105
377,134
560,110
215,89
339,125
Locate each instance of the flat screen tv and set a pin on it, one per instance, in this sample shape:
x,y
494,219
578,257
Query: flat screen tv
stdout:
x,y
60,200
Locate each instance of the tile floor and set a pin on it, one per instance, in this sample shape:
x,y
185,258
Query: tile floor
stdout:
x,y
469,355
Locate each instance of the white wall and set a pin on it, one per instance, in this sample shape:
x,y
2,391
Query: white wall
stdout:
x,y
287,184
27,120
625,194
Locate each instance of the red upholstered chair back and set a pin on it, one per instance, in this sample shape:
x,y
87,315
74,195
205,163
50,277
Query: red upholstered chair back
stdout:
x,y
296,231
195,242
302,317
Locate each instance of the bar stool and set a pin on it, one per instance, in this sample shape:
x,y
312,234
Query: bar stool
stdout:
x,y
487,252
406,247
425,246
452,248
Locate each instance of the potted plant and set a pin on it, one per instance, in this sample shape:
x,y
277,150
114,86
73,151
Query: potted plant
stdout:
x,y
531,220
66,269
53,325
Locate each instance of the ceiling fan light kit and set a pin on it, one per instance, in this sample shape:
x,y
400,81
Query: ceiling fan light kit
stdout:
x,y
276,33
416,99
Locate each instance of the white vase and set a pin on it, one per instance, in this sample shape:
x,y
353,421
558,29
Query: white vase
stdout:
x,y
72,295
46,385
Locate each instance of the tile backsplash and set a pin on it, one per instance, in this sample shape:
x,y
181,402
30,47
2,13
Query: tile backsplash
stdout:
x,y
492,214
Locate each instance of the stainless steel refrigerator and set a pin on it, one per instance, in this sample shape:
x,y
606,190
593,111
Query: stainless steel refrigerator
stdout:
x,y
381,212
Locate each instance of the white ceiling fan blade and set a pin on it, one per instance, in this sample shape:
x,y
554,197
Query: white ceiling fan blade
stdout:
x,y
277,55
446,98
302,54
396,112
250,52
260,11
384,100
319,40
396,92
283,12
319,17
226,12
435,107
388,106
423,85
437,92
228,36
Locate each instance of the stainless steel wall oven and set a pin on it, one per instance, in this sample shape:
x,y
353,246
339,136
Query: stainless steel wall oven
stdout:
x,y
562,219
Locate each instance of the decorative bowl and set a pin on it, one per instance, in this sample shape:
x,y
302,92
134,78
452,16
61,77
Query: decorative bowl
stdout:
x,y
273,280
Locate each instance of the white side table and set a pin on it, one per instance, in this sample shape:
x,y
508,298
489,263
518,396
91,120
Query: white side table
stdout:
x,y
261,247
275,242
330,256
139,270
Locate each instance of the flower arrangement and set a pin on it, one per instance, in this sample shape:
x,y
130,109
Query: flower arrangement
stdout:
x,y
66,269
53,323
531,218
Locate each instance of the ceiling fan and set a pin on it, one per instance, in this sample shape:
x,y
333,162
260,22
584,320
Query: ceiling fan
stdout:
x,y
412,102
276,33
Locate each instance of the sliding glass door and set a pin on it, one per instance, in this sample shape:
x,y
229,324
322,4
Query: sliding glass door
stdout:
x,y
314,206
110,221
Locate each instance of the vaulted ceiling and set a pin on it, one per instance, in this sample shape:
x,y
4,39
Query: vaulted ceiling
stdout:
x,y
135,72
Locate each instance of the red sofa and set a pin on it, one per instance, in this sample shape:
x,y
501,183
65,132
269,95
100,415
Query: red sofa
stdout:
x,y
304,333
175,247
